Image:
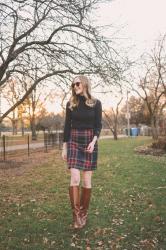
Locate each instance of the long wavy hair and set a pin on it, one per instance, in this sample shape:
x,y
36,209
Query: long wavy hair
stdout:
x,y
90,100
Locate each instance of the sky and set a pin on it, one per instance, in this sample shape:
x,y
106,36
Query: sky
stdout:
x,y
139,24
136,24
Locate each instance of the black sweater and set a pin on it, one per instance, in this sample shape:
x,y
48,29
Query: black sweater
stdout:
x,y
83,117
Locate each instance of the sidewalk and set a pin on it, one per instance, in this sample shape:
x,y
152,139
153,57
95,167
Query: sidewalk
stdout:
x,y
22,146
111,136
41,144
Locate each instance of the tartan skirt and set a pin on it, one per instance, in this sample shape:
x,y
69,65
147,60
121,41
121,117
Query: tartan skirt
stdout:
x,y
77,156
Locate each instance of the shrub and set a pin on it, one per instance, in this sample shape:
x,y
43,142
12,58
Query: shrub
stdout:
x,y
160,144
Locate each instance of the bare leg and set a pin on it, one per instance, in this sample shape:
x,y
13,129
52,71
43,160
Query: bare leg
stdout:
x,y
75,177
87,176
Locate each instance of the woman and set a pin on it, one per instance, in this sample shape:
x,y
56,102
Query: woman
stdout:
x,y
80,149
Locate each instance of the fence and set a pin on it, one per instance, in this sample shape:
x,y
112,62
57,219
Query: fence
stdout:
x,y
13,146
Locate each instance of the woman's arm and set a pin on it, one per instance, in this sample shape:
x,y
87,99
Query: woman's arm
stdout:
x,y
94,139
67,126
98,119
98,126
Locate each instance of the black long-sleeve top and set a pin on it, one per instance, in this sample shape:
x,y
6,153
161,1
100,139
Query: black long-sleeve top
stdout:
x,y
82,117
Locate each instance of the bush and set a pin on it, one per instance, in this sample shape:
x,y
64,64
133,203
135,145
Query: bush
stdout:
x,y
160,144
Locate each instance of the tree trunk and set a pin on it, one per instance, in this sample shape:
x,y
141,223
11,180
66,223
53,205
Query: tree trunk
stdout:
x,y
14,124
14,127
33,129
154,128
22,127
0,128
114,132
115,135
115,129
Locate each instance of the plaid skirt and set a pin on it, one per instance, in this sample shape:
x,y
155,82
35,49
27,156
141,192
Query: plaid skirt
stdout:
x,y
77,156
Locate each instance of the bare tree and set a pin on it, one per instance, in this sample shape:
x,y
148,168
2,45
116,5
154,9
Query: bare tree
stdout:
x,y
112,118
50,122
152,86
30,107
11,96
138,111
58,35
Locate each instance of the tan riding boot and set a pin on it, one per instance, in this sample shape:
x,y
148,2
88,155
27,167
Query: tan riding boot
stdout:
x,y
84,204
75,204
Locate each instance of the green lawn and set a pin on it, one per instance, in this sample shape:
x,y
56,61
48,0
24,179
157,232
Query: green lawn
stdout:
x,y
127,210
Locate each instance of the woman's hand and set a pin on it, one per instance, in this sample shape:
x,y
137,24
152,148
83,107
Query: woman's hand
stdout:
x,y
90,147
64,152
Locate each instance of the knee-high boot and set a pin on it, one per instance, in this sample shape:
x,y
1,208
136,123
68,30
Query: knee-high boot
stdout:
x,y
74,195
84,204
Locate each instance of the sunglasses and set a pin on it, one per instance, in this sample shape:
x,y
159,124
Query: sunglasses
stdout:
x,y
77,84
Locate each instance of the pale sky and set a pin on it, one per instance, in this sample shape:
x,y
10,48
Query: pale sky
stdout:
x,y
139,22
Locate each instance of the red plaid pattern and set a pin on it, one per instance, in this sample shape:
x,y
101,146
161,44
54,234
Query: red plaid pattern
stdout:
x,y
77,156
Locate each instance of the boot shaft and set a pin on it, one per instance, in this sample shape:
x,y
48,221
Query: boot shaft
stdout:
x,y
74,195
84,204
85,197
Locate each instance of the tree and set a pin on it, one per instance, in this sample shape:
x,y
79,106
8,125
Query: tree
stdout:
x,y
112,118
152,86
138,111
50,122
58,35
12,96
30,108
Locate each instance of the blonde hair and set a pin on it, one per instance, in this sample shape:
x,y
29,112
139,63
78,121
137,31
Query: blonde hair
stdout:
x,y
90,100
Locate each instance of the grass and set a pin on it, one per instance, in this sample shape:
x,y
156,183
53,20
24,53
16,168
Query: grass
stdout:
x,y
127,209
